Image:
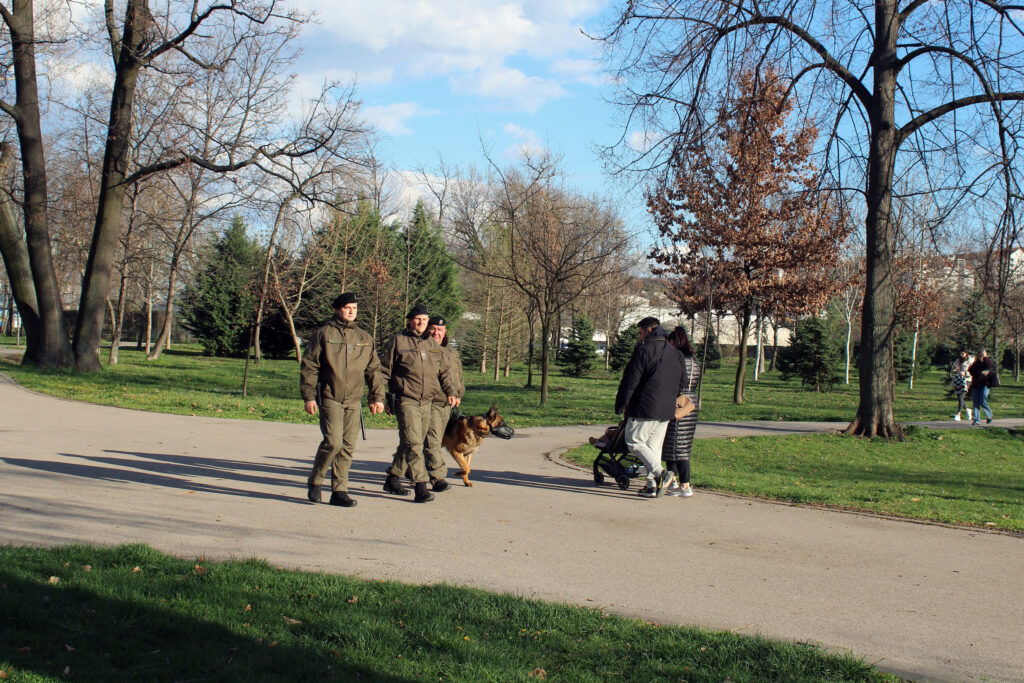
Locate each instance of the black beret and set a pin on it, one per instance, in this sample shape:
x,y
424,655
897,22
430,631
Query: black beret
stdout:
x,y
343,299
438,320
418,309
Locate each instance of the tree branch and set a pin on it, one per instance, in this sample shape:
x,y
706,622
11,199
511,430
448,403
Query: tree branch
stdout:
x,y
927,117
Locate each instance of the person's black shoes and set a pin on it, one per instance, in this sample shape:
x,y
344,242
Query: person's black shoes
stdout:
x,y
440,485
342,499
393,485
422,494
313,494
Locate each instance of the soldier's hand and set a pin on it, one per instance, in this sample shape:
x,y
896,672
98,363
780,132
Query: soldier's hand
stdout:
x,y
376,408
452,400
458,402
311,407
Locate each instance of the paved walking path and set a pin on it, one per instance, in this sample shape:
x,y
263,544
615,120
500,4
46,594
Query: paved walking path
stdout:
x,y
937,602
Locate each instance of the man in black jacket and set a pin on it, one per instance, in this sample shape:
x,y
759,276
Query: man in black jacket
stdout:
x,y
653,378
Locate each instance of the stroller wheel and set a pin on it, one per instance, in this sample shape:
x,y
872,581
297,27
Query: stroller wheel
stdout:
x,y
623,481
598,475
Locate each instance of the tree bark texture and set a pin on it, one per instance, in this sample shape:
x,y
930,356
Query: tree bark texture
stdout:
x,y
19,274
877,378
50,346
96,283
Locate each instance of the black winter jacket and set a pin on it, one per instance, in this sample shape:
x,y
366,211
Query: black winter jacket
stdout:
x,y
653,378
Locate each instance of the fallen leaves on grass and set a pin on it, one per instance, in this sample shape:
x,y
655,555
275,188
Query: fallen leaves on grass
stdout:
x,y
353,600
289,620
539,673
53,580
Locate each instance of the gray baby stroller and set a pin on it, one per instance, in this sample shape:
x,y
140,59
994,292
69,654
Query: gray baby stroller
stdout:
x,y
616,461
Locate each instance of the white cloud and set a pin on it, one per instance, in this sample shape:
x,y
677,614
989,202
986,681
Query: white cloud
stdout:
x,y
580,70
391,118
641,140
469,41
527,141
514,88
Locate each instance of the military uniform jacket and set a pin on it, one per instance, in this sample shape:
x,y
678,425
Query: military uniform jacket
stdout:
x,y
340,358
415,368
451,357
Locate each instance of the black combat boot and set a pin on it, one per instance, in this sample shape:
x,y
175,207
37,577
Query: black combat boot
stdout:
x,y
342,499
393,485
440,485
313,494
422,494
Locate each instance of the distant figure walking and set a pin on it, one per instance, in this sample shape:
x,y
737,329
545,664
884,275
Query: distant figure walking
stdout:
x,y
679,435
961,382
982,372
653,378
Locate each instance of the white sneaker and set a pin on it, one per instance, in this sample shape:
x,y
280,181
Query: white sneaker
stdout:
x,y
956,417
674,490
686,491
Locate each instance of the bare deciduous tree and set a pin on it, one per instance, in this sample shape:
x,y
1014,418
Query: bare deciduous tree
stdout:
x,y
895,86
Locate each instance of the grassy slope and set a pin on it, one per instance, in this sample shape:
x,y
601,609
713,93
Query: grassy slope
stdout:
x,y
131,613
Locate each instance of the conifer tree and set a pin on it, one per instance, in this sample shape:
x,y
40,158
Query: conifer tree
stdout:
x,y
580,354
432,277
219,303
622,349
812,355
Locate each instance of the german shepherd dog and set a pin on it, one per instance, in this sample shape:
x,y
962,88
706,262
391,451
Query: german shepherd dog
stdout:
x,y
464,434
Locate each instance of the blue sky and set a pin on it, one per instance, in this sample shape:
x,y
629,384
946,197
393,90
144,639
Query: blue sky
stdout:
x,y
436,76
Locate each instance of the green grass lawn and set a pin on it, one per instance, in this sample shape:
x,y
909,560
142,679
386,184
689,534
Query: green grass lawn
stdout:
x,y
184,381
973,477
132,613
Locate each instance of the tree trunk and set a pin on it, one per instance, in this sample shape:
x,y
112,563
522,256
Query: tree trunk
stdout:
x,y
117,321
529,351
47,342
877,382
483,332
545,355
775,343
165,329
266,275
757,355
497,337
149,309
741,366
22,291
849,337
96,282
913,356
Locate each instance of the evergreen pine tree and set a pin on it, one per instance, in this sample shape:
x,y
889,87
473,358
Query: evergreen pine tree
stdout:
x,y
219,304
714,359
813,355
622,349
433,275
972,322
580,353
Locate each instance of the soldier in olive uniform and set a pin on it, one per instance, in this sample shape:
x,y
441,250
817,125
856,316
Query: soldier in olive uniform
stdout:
x,y
440,410
415,370
339,359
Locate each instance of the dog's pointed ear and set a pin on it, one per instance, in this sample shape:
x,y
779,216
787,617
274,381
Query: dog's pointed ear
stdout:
x,y
492,412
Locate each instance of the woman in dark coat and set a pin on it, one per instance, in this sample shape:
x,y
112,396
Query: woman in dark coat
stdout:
x,y
679,437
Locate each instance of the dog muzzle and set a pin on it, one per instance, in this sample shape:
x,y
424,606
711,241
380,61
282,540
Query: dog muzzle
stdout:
x,y
503,432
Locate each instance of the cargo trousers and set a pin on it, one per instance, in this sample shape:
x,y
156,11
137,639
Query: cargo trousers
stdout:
x,y
413,422
433,451
339,423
